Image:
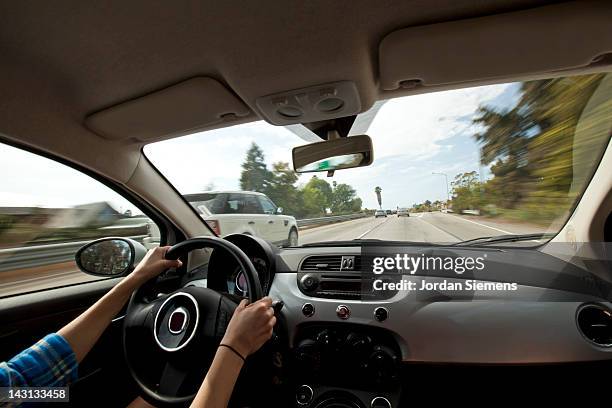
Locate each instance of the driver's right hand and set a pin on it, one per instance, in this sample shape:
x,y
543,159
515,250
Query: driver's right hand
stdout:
x,y
251,326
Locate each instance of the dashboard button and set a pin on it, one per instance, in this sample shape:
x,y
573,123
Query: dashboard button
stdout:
x,y
304,395
381,314
343,312
308,309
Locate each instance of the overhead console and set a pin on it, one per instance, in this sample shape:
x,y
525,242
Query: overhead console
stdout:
x,y
312,104
498,46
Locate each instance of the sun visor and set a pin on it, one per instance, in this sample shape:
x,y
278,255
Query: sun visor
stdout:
x,y
539,40
195,104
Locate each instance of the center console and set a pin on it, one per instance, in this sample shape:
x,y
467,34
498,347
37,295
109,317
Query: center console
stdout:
x,y
346,365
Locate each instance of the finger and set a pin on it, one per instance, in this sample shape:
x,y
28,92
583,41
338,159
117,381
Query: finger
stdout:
x,y
269,312
164,250
243,303
267,301
273,321
171,263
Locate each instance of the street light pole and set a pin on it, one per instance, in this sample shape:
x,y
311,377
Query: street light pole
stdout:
x,y
447,192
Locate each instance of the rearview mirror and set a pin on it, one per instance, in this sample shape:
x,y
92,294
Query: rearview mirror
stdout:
x,y
110,256
336,154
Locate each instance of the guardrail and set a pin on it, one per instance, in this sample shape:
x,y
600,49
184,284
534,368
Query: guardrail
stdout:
x,y
307,222
47,254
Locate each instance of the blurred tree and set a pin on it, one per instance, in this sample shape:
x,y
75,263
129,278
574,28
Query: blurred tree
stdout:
x,y
317,194
282,190
466,191
255,176
314,199
209,187
343,199
532,148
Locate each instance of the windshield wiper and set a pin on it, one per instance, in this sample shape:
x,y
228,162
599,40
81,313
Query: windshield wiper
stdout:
x,y
504,238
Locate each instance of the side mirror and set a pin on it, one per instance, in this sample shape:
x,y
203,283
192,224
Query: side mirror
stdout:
x,y
335,154
279,210
110,256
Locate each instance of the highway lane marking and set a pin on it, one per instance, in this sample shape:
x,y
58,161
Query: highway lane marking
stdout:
x,y
372,229
482,225
440,229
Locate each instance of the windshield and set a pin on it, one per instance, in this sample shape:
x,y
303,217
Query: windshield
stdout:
x,y
448,167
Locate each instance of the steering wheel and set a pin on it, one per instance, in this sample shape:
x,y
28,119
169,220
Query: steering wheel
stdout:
x,y
169,340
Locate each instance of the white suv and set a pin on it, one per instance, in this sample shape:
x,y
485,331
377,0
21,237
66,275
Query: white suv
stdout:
x,y
246,212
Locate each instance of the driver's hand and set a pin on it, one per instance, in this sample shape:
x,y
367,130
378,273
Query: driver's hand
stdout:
x,y
251,326
152,265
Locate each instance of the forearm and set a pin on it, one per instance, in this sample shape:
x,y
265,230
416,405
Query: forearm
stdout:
x,y
83,332
217,387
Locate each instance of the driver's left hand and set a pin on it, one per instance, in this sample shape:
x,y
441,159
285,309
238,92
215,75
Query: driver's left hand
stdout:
x,y
152,265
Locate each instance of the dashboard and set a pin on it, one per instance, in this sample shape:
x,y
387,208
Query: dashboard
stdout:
x,y
346,347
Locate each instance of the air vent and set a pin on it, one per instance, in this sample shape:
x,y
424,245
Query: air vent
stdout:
x,y
595,324
330,263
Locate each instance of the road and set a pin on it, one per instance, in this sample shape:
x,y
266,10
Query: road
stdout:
x,y
429,227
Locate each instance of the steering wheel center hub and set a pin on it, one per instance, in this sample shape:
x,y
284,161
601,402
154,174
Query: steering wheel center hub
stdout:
x,y
176,322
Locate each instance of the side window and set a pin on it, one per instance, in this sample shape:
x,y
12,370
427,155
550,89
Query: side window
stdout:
x,y
47,212
244,204
267,205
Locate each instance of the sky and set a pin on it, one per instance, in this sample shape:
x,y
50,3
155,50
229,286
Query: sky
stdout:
x,y
412,136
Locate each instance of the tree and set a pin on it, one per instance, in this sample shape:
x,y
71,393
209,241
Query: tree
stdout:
x,y
255,176
343,199
282,190
532,148
466,191
314,199
209,187
378,192
505,141
317,195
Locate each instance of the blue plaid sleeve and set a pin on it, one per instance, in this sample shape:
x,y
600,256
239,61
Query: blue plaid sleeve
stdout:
x,y
48,363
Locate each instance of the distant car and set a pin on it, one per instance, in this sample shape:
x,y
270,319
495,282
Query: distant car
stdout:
x,y
403,212
246,212
380,213
389,212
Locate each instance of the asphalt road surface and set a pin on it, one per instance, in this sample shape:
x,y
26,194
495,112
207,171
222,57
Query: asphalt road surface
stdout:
x,y
434,227
429,227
